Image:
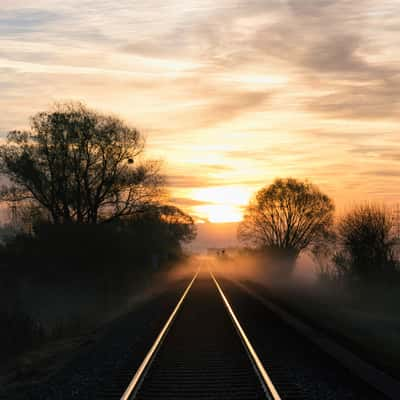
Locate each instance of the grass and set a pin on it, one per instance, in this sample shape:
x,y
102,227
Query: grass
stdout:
x,y
364,319
20,333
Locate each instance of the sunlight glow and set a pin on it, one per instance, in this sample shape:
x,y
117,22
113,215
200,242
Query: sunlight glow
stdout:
x,y
219,213
230,109
225,203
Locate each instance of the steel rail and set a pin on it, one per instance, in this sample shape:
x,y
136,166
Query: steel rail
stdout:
x,y
137,379
266,382
370,374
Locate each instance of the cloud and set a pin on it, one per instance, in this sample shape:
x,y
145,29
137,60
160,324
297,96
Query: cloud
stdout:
x,y
268,88
375,101
186,182
181,181
372,148
389,153
227,106
345,136
382,173
214,40
322,41
27,20
187,202
215,167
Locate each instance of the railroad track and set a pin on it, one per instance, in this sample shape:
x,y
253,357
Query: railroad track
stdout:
x,y
202,352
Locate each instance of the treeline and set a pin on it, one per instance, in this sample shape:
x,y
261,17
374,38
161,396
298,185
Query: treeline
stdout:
x,y
292,216
81,194
128,249
90,219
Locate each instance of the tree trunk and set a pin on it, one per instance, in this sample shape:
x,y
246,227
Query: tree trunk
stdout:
x,y
281,262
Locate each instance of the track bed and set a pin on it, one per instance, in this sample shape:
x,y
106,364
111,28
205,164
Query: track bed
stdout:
x,y
202,355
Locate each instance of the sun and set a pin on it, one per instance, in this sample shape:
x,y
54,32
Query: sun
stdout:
x,y
220,213
225,203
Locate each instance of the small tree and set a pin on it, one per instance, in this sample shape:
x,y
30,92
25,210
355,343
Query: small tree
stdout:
x,y
286,218
366,244
79,166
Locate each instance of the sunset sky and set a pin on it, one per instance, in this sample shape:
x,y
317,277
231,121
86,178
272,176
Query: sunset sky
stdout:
x,y
230,94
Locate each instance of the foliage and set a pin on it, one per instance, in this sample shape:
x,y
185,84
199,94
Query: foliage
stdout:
x,y
107,262
80,166
165,224
366,244
92,218
119,250
286,218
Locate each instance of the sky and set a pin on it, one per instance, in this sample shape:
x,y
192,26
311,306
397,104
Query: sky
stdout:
x,y
229,94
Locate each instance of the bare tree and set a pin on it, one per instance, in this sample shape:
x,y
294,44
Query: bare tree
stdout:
x,y
80,166
366,243
285,218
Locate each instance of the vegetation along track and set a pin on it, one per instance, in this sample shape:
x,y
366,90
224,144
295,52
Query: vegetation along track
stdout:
x,y
203,352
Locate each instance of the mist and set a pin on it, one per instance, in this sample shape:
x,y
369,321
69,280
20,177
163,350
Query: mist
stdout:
x,y
362,316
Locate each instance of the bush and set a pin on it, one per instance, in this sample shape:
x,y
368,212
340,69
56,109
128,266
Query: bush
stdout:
x,y
95,266
19,333
366,246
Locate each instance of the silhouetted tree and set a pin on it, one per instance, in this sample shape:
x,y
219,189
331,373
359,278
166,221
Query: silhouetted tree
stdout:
x,y
80,166
179,224
118,250
160,231
286,218
366,244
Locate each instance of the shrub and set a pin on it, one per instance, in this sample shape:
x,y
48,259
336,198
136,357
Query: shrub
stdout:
x,y
366,246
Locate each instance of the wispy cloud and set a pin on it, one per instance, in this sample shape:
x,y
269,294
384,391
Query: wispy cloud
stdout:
x,y
26,20
241,91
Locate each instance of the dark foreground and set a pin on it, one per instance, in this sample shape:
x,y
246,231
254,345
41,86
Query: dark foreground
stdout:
x,y
296,366
202,355
102,366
